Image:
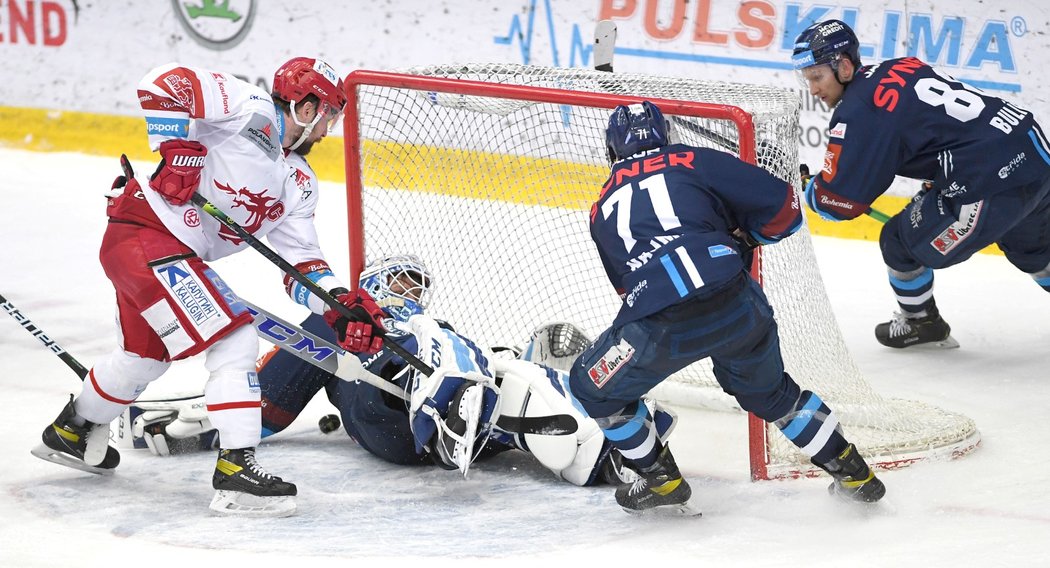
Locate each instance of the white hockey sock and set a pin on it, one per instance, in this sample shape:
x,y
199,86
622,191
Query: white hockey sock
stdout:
x,y
232,394
113,383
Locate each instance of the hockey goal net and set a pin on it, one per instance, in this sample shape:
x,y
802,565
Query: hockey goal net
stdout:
x,y
488,172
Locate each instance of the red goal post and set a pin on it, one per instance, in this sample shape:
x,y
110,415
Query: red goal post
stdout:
x,y
423,145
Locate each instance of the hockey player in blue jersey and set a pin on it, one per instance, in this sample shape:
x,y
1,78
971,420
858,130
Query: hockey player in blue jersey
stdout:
x,y
672,225
987,159
407,433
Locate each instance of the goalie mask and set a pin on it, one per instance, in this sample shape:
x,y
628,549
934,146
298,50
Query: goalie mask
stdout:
x,y
399,284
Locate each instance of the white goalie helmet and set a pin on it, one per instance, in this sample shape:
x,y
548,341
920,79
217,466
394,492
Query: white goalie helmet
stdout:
x,y
400,284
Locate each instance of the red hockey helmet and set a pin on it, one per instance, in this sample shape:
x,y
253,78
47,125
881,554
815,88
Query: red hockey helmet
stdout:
x,y
302,76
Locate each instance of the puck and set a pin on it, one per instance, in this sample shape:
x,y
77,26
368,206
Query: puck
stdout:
x,y
329,423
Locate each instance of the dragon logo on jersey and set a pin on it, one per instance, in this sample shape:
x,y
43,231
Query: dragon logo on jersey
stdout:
x,y
614,359
258,207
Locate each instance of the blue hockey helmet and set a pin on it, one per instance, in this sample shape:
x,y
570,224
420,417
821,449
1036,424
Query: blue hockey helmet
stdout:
x,y
635,128
400,284
825,43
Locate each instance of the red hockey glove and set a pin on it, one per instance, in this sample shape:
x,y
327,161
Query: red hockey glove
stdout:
x,y
358,336
179,172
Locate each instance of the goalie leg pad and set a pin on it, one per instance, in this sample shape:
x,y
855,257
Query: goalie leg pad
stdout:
x,y
170,426
528,390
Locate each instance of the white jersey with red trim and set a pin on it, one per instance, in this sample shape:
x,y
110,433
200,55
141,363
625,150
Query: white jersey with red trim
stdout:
x,y
246,173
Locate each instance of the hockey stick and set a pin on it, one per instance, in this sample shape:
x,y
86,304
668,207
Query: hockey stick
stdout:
x,y
301,278
604,48
52,346
329,357
315,350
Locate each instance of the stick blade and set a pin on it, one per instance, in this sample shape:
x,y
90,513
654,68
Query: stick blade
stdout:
x,y
554,425
604,45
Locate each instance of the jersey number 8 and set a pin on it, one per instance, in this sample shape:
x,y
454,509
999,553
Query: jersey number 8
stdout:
x,y
962,104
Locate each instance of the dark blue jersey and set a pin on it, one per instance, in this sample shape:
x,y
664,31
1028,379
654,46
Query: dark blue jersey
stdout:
x,y
902,117
663,220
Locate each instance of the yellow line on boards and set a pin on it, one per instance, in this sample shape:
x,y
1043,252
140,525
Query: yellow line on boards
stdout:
x,y
519,179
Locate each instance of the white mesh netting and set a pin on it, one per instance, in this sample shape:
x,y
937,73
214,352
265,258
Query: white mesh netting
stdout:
x,y
494,195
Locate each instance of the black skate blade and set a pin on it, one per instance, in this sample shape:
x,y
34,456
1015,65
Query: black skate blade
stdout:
x,y
45,453
679,510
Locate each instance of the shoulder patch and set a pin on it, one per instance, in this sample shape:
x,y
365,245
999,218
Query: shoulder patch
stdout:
x,y
838,131
262,132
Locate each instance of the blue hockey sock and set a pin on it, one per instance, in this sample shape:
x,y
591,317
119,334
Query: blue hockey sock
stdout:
x,y
814,428
914,290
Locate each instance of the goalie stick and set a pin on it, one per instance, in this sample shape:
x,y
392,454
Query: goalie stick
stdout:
x,y
325,355
301,278
604,48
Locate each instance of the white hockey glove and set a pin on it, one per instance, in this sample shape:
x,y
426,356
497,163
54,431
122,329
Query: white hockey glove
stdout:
x,y
173,426
451,411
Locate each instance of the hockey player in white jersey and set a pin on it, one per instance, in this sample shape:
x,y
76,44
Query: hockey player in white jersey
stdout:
x,y
241,148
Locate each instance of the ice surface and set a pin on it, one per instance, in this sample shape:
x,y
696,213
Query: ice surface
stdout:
x,y
988,509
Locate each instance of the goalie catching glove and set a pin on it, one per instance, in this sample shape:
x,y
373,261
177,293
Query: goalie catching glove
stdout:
x,y
451,411
360,336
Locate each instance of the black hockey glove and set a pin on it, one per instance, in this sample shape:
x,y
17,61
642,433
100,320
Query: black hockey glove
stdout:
x,y
747,245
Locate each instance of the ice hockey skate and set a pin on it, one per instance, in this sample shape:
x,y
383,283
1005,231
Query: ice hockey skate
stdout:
x,y
243,488
660,489
909,331
854,480
84,447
